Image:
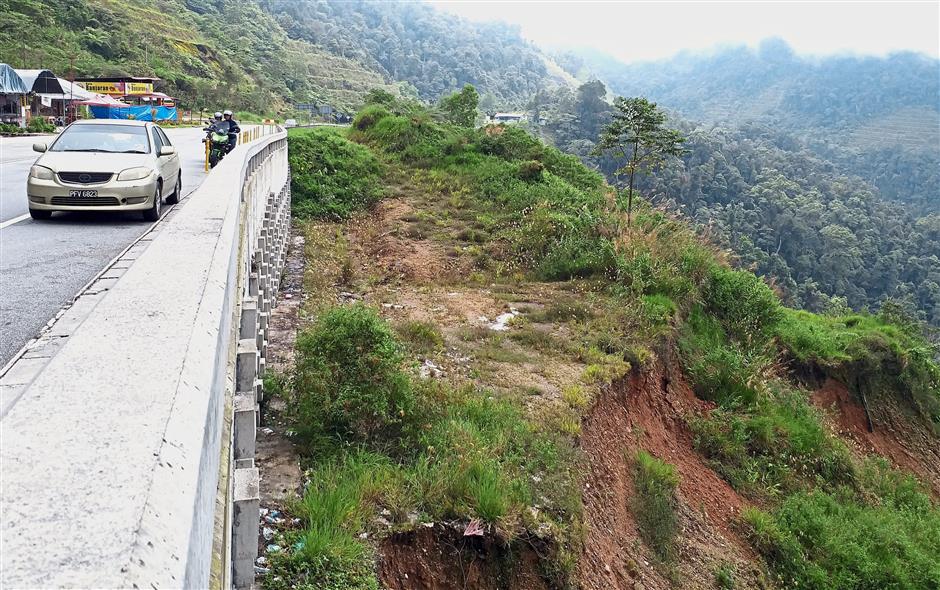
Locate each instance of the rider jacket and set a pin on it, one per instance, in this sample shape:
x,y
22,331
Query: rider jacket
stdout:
x,y
231,126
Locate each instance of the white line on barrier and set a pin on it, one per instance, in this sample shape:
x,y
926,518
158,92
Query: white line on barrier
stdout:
x,y
10,222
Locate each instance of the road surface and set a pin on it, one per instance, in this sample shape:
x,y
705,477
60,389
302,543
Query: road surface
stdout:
x,y
43,264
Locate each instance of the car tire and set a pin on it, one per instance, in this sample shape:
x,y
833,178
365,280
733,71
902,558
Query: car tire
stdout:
x,y
39,214
153,214
175,197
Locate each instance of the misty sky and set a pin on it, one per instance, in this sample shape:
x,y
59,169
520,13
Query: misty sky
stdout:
x,y
635,31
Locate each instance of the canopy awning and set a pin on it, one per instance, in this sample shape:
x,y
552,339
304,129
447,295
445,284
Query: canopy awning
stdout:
x,y
102,100
69,92
10,81
40,81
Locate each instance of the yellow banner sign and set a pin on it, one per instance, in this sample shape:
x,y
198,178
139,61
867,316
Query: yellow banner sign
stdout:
x,y
138,88
118,88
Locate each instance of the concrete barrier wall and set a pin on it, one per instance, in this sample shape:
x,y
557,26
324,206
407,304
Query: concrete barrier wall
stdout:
x,y
112,458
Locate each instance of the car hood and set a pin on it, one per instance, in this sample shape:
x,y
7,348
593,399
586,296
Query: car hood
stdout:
x,y
93,161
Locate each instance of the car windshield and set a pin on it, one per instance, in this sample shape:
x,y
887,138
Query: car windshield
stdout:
x,y
115,139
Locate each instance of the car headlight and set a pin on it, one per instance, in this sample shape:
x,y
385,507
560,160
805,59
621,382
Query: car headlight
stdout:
x,y
41,172
138,173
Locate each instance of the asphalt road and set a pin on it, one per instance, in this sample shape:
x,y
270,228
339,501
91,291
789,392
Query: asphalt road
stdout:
x,y
43,264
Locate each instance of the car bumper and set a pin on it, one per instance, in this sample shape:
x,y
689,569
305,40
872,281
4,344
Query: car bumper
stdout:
x,y
128,195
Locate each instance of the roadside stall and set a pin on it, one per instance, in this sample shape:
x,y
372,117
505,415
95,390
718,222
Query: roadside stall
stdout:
x,y
13,93
63,105
42,85
102,105
137,95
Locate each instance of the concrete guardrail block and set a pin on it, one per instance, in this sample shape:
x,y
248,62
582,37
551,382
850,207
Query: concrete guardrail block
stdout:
x,y
246,501
246,365
248,327
245,421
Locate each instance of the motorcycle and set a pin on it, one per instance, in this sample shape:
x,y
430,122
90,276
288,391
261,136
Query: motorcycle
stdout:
x,y
218,144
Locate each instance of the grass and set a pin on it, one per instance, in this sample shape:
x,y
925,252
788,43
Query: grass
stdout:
x,y
721,370
655,504
819,540
775,447
724,576
466,454
420,337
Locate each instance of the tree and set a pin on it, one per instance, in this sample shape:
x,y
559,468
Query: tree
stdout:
x,y
638,134
379,96
460,108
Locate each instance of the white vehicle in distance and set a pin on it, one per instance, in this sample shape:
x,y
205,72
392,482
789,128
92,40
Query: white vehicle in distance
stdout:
x,y
290,123
105,165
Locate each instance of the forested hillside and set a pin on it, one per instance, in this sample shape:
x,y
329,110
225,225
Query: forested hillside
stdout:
x,y
436,52
266,55
208,53
820,233
875,117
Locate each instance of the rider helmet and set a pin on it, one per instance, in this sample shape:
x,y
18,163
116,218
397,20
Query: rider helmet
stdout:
x,y
227,113
218,116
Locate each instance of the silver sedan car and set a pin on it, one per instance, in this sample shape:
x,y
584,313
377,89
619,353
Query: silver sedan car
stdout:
x,y
105,165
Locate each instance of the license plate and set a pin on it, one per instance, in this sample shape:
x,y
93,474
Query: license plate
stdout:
x,y
83,194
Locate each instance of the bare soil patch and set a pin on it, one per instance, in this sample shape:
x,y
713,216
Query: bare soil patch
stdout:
x,y
646,411
441,558
897,435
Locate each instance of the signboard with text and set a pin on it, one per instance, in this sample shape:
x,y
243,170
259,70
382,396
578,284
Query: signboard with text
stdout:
x,y
117,88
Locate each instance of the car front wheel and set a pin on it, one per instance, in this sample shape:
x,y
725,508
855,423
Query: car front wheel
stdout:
x,y
153,214
175,197
39,214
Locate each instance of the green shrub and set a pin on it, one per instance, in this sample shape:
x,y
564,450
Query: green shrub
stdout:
x,y
662,256
349,384
379,96
530,171
415,139
655,504
331,177
831,541
11,129
460,108
39,125
510,142
744,304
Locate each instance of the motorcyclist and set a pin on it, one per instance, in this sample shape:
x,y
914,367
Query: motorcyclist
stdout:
x,y
214,124
232,128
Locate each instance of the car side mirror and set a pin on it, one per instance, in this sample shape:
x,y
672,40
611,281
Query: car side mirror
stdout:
x,y
40,147
167,150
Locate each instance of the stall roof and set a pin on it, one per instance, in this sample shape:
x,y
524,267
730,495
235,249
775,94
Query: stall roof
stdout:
x,y
40,81
69,92
10,81
102,100
118,79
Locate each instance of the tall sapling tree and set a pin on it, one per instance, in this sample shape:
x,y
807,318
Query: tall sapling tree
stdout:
x,y
638,134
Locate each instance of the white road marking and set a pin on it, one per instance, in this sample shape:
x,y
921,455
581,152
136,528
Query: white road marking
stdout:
x,y
10,222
